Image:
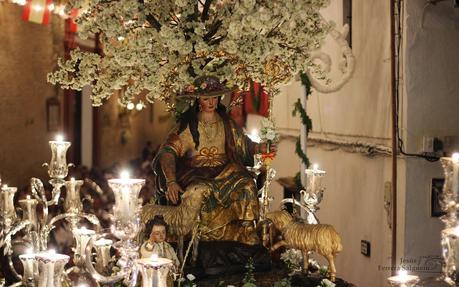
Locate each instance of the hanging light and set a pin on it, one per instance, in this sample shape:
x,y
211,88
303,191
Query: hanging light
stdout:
x,y
130,106
139,106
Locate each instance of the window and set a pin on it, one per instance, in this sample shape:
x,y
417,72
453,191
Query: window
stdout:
x,y
347,19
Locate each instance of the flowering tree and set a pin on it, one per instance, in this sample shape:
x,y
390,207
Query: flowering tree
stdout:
x,y
157,48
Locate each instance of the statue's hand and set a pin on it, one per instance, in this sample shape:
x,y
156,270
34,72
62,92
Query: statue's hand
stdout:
x,y
173,192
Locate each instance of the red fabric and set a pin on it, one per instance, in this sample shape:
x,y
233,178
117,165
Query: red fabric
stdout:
x,y
73,27
256,100
46,17
26,11
237,112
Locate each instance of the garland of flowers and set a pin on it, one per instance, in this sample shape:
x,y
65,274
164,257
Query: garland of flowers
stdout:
x,y
307,123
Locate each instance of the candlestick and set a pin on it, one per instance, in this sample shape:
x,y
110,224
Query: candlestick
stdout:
x,y
82,237
450,246
29,211
313,194
30,268
7,205
102,247
57,167
50,268
450,196
126,196
72,203
154,272
455,175
314,179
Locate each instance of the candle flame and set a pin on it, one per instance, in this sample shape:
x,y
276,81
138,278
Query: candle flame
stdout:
x,y
124,174
52,251
28,197
455,157
402,276
29,251
154,257
315,167
59,138
254,136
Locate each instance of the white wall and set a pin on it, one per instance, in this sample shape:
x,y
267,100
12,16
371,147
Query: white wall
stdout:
x,y
432,104
360,111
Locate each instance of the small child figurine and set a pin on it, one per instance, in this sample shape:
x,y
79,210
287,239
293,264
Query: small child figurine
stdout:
x,y
156,243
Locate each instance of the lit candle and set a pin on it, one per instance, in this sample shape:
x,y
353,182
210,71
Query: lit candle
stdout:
x,y
51,268
28,206
58,165
154,257
403,279
154,272
455,179
7,202
126,191
254,136
313,178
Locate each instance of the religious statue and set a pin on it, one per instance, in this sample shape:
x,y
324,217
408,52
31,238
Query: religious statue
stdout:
x,y
206,154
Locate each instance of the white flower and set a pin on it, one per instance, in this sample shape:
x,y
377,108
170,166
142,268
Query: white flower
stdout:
x,y
327,283
158,52
249,4
190,277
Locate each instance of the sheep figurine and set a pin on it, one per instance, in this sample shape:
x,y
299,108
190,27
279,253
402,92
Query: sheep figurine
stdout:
x,y
321,238
182,219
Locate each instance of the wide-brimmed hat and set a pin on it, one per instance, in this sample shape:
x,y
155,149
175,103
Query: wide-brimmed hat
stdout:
x,y
205,86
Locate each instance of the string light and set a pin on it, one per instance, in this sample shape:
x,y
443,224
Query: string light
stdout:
x,y
139,106
130,106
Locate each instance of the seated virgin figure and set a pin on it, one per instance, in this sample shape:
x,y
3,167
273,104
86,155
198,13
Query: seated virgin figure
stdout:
x,y
207,152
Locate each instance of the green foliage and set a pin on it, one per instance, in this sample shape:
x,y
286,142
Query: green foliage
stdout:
x,y
249,279
323,271
307,123
306,83
285,282
326,283
305,119
299,151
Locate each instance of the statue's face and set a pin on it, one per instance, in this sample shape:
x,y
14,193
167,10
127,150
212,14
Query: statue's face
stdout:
x,y
158,234
208,104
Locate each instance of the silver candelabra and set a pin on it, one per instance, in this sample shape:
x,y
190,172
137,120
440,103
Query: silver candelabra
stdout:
x,y
44,267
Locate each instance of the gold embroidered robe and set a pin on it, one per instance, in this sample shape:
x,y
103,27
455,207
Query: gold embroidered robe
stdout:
x,y
233,203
